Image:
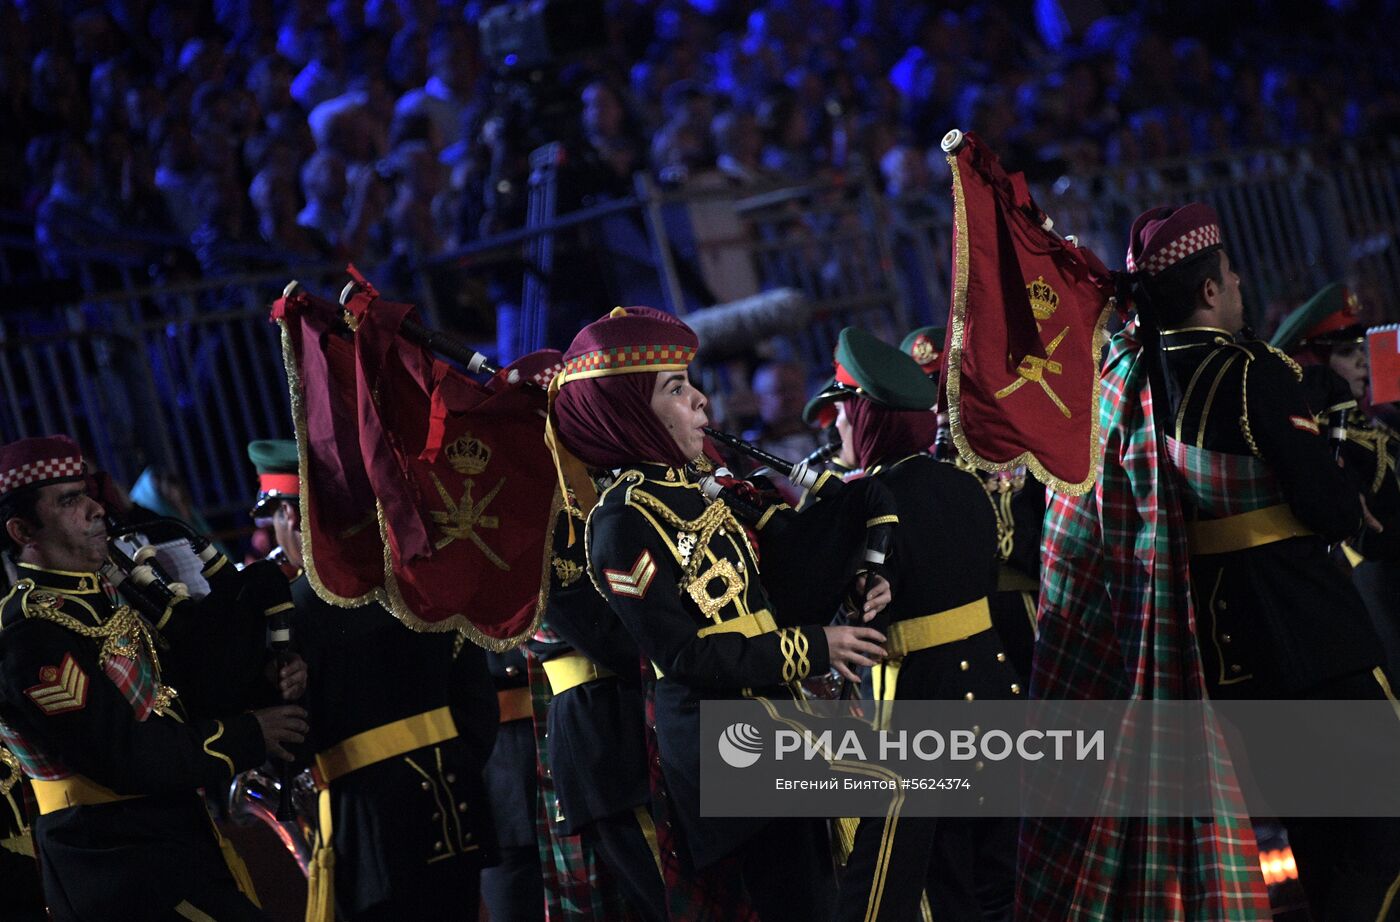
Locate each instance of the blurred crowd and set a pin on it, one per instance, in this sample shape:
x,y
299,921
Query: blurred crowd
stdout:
x,y
258,133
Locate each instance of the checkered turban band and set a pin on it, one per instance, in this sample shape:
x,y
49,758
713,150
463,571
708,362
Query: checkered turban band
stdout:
x,y
623,359
40,471
1189,243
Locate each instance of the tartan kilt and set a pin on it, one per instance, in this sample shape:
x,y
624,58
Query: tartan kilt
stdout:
x,y
1116,622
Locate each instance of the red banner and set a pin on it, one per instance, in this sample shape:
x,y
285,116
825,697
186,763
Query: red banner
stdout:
x,y
1028,313
422,488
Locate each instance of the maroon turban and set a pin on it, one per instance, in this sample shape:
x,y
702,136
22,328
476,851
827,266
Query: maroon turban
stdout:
x,y
881,433
603,406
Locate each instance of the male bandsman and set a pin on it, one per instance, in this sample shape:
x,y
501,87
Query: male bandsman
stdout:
x,y
116,759
402,723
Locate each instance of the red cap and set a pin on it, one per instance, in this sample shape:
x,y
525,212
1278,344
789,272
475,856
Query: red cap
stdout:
x,y
1164,236
1346,317
629,340
45,459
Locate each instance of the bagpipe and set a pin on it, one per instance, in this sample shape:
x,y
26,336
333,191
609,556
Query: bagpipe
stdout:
x,y
812,556
242,601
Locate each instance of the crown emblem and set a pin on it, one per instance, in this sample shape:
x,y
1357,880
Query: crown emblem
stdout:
x,y
1044,300
468,455
1351,305
924,351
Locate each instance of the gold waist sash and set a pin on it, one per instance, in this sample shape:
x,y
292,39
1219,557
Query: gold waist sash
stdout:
x,y
1246,530
384,742
572,670
73,791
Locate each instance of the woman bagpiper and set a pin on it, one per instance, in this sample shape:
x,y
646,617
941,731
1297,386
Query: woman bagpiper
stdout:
x,y
678,569
942,646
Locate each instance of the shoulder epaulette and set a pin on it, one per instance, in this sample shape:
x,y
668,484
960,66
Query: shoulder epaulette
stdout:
x,y
14,607
1287,360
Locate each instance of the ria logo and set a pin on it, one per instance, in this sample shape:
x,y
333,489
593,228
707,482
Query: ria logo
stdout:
x,y
740,745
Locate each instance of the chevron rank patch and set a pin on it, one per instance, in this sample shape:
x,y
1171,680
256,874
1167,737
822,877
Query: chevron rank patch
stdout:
x,y
633,583
61,688
1307,425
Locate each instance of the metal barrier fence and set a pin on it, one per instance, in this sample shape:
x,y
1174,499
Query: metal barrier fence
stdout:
x,y
180,378
183,375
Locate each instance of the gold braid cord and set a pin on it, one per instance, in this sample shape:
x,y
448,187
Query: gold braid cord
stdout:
x,y
1006,525
124,634
716,516
793,644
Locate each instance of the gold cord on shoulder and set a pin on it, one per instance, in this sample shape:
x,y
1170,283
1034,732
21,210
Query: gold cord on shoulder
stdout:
x,y
123,634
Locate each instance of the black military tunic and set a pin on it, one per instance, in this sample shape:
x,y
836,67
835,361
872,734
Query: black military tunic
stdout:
x,y
597,727
945,557
410,832
514,888
19,870
1020,505
680,573
84,706
1371,452
1277,619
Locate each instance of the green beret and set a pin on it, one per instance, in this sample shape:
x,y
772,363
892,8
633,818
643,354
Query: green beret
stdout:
x,y
278,465
883,373
1331,316
925,346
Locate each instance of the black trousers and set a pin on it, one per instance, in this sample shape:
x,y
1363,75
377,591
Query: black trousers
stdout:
x,y
514,889
966,865
622,846
788,871
1349,866
222,903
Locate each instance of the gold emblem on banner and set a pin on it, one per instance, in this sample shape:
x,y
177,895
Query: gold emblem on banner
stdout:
x,y
468,455
461,519
1032,369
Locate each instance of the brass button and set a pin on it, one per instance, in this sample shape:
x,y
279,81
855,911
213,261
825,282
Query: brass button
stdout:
x,y
451,778
426,786
979,765
1224,604
964,665
1237,668
1224,638
1001,657
462,807
976,730
1015,689
512,671
981,801
436,817
969,696
437,846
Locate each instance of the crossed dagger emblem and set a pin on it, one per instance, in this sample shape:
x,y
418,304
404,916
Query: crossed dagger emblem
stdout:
x,y
1033,368
462,518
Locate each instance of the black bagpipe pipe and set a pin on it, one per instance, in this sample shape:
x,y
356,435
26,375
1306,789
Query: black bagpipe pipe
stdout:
x,y
810,556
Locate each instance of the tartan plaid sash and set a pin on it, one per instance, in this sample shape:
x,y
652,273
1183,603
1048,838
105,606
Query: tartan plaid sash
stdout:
x,y
1116,622
1217,484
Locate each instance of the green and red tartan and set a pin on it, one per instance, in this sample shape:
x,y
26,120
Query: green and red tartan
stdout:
x,y
577,885
1217,484
1116,622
